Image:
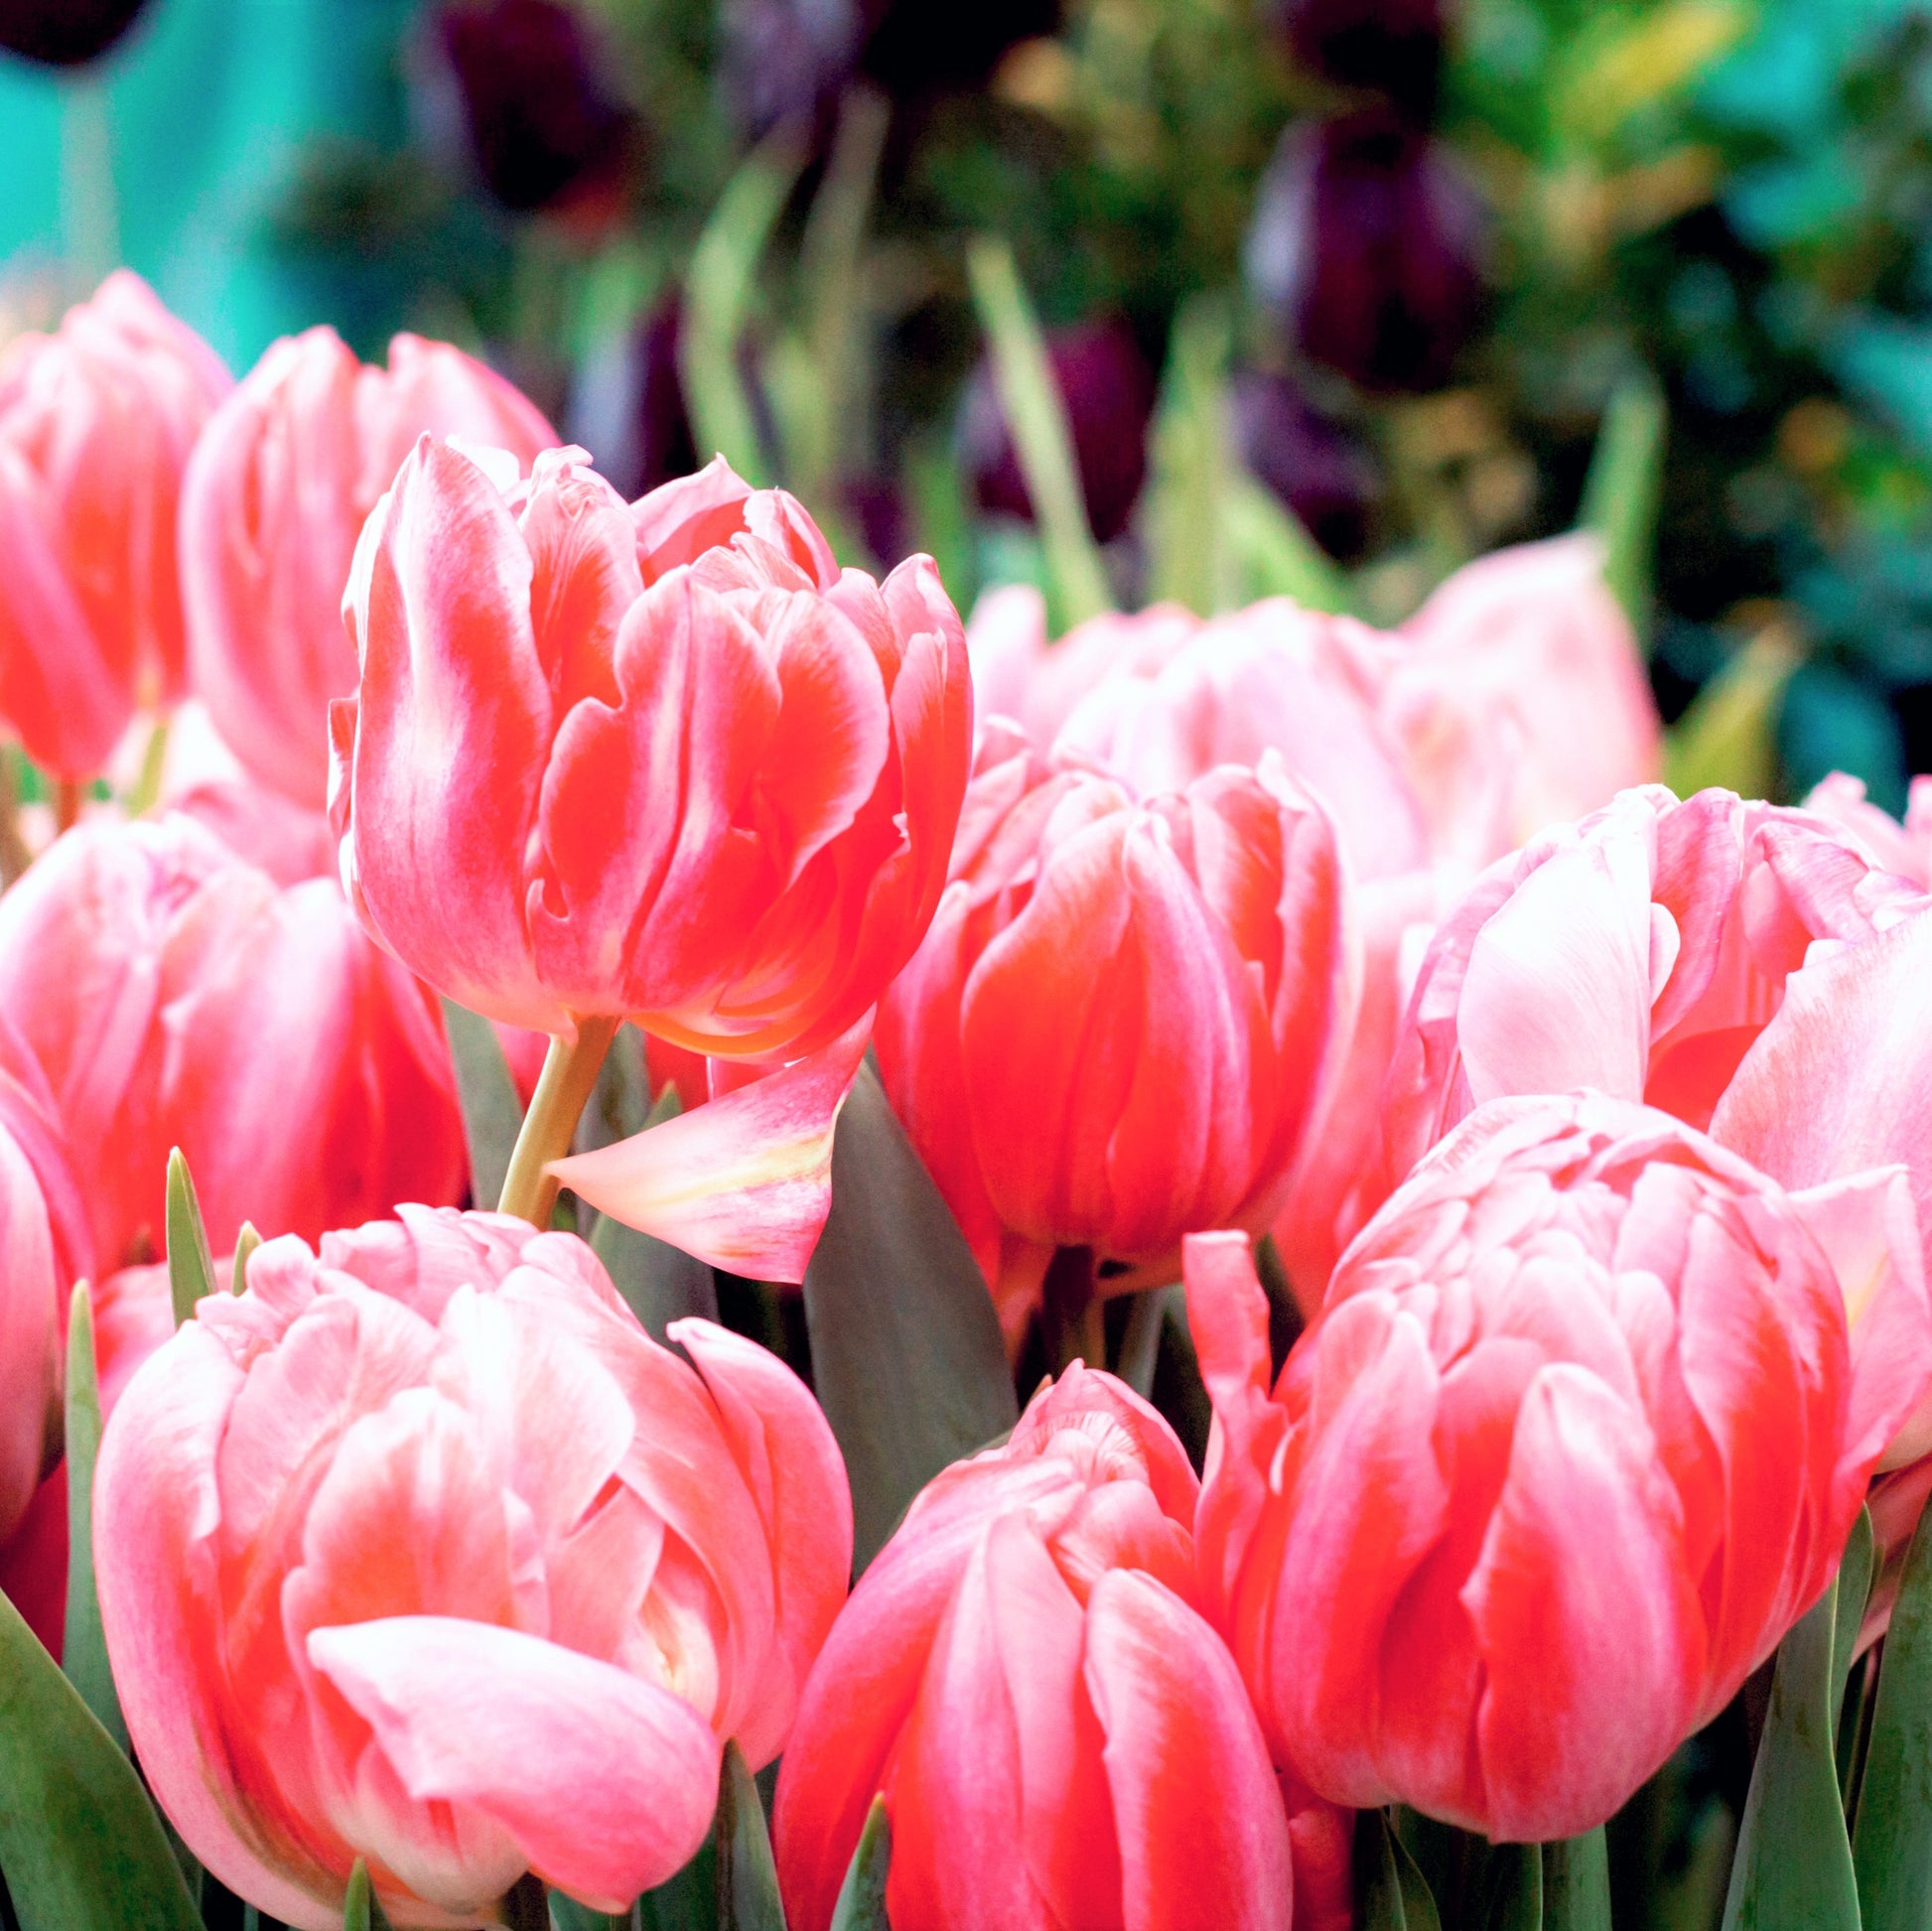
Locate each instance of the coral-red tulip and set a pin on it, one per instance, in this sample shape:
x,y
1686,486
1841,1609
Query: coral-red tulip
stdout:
x,y
1640,951
1126,1014
669,762
174,994
271,507
1060,1738
424,1551
96,422
1577,1438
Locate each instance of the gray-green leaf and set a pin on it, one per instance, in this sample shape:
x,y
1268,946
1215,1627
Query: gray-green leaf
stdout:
x,y
492,1115
860,1903
83,1649
191,1267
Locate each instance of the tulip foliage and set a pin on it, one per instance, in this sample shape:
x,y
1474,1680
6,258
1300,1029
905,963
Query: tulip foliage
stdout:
x,y
809,1267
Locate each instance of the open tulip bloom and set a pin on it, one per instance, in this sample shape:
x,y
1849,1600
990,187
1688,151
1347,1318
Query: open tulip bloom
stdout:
x,y
1369,1314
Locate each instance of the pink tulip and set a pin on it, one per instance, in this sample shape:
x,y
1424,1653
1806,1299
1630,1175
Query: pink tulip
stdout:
x,y
1905,849
1519,698
96,422
424,1551
173,995
1576,1436
1060,1738
271,507
1126,1016
1640,952
721,804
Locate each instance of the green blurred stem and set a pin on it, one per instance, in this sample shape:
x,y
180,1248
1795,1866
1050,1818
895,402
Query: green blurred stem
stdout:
x,y
1042,439
146,793
564,1088
13,855
69,796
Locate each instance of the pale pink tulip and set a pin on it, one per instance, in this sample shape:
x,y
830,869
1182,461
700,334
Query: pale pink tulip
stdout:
x,y
423,1551
1579,1433
1905,849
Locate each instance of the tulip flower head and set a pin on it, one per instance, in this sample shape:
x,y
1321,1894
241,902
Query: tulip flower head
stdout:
x,y
1893,847
1576,1436
271,508
1126,1014
1060,1738
174,995
96,423
669,763
421,1549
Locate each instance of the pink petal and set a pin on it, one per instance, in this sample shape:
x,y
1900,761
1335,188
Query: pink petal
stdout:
x,y
1203,1835
743,1182
607,1783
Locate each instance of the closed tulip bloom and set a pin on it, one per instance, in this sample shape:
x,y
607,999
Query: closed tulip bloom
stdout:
x,y
1126,1014
421,1549
271,508
1060,1738
668,761
96,423
1519,698
1578,1435
1640,951
174,995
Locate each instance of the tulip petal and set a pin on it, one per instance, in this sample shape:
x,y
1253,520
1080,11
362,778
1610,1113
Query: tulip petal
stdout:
x,y
743,1182
780,1437
607,1783
1203,1838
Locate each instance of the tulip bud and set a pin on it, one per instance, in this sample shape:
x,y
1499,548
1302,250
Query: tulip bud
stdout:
x,y
1108,393
1365,242
422,1551
785,60
1314,466
173,995
271,507
96,422
666,760
1126,1016
64,32
545,127
1024,1675
1392,45
1578,1435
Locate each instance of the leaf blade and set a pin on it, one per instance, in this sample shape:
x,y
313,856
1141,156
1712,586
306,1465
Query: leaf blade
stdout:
x,y
191,1267
83,1647
1892,1848
861,1905
492,1115
748,1880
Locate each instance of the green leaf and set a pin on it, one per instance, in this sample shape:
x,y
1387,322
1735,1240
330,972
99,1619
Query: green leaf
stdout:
x,y
688,1901
83,1649
1622,491
717,291
1854,1586
1037,414
1273,555
79,1842
492,1115
362,1908
191,1267
1379,1901
1418,1903
1140,1346
1894,1825
1793,1867
569,1915
906,1356
1576,1884
861,1902
245,1243
1727,736
1509,1889
1183,510
747,1880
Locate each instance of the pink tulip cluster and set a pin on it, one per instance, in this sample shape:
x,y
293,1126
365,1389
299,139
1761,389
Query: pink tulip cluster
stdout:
x,y
1591,1127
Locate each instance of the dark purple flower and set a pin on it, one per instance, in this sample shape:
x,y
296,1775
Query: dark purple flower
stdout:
x,y
786,60
64,32
1365,241
1310,462
1108,391
1394,47
919,46
545,127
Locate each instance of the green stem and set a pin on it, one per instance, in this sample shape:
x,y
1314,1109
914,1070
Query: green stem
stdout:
x,y
563,1089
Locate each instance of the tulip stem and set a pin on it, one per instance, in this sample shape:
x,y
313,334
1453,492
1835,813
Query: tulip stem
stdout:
x,y
68,794
1070,1309
564,1087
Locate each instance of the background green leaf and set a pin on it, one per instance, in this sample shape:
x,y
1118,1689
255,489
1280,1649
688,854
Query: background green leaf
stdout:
x,y
747,1880
861,1902
492,1112
83,1649
906,1356
1893,1843
190,1267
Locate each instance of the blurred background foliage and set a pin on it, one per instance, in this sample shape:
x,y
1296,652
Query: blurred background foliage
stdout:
x,y
1336,293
